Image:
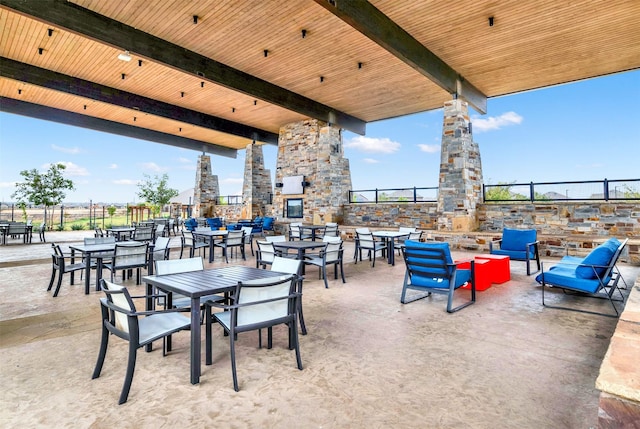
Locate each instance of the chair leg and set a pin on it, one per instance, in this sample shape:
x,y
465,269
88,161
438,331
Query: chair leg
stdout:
x,y
53,276
233,360
296,343
55,293
208,340
128,379
324,276
104,342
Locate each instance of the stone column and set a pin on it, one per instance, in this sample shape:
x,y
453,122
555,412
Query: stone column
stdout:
x,y
257,188
460,181
313,149
206,190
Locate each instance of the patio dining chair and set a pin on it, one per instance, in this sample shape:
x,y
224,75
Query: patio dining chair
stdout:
x,y
366,241
60,265
138,328
127,257
331,254
248,237
161,248
257,304
290,266
193,243
230,241
144,233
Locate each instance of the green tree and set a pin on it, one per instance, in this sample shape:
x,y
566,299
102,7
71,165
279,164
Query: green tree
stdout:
x,y
498,193
631,192
111,210
156,192
46,189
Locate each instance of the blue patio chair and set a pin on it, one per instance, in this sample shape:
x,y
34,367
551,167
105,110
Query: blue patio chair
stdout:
x,y
215,223
518,245
430,269
190,224
267,224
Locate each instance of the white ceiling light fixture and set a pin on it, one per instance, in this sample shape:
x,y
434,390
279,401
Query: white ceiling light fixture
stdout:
x,y
124,56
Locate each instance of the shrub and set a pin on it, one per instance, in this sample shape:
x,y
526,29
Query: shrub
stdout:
x,y
78,227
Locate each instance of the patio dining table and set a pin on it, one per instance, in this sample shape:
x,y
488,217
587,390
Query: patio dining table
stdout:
x,y
210,237
299,246
313,229
390,238
99,252
121,233
197,284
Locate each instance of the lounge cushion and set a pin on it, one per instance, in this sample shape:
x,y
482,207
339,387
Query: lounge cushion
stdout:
x,y
517,239
595,263
514,254
564,275
462,277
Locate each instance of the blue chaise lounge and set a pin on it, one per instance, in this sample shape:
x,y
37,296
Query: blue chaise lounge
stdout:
x,y
591,276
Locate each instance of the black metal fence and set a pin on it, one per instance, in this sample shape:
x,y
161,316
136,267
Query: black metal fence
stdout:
x,y
590,190
396,195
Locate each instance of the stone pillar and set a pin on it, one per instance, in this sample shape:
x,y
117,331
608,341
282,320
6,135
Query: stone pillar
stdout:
x,y
206,190
460,181
257,188
313,149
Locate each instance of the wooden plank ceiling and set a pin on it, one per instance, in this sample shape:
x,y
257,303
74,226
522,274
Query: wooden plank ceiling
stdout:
x,y
298,59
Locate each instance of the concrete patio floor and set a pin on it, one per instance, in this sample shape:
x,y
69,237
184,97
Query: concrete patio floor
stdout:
x,y
369,361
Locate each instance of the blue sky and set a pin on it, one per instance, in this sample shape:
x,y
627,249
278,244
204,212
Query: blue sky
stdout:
x,y
587,130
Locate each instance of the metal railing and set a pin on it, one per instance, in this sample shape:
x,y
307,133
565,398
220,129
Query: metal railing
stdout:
x,y
589,190
394,195
229,200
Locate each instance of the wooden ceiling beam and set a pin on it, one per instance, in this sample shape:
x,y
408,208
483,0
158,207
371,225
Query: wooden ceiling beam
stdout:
x,y
105,30
60,82
18,107
364,17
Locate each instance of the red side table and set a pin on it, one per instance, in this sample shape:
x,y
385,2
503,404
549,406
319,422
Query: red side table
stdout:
x,y
482,272
499,267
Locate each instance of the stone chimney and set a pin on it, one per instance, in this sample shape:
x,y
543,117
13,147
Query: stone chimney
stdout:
x,y
206,190
257,189
460,181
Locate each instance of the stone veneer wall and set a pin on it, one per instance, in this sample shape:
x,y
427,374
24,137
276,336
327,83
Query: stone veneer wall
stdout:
x,y
460,180
313,149
576,226
256,188
206,190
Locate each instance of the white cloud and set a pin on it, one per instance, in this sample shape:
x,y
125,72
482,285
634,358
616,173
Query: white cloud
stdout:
x,y
370,161
7,184
71,169
152,166
373,145
113,167
429,148
496,122
184,160
124,182
71,150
